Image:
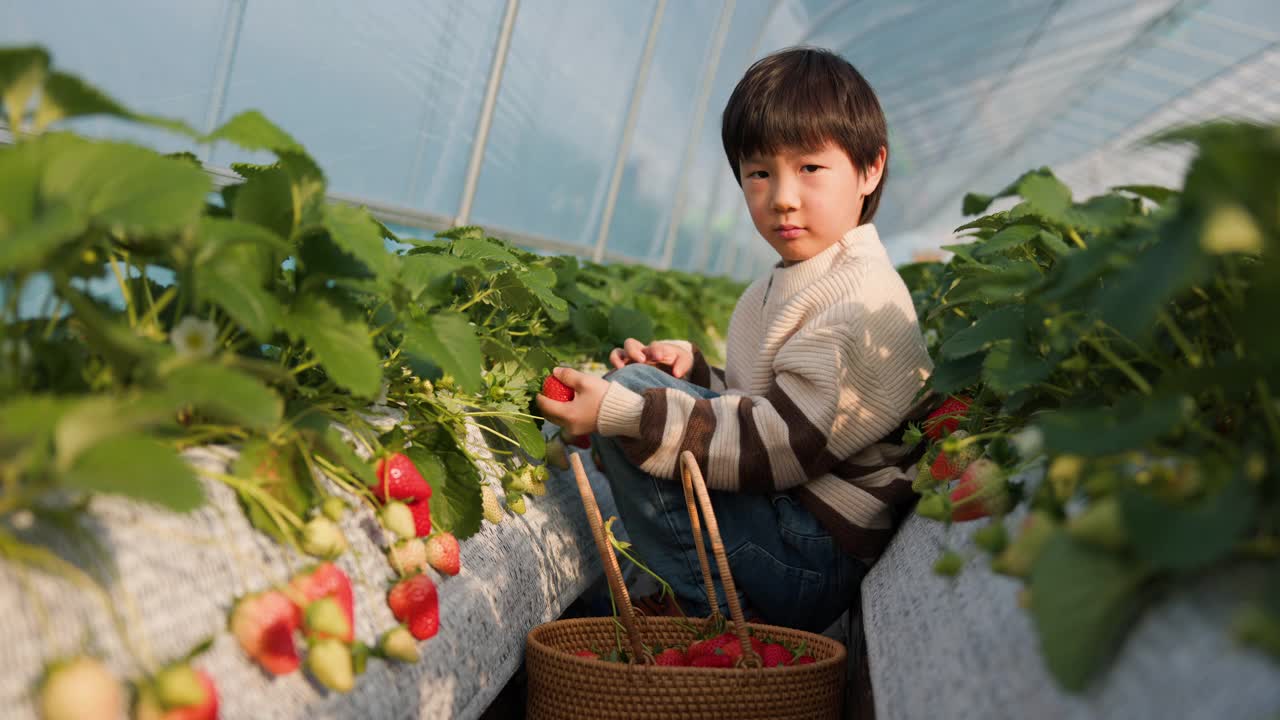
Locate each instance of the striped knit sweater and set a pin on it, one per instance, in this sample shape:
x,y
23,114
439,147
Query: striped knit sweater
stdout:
x,y
825,360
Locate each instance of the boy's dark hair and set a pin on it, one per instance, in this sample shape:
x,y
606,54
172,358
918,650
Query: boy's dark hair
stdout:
x,y
800,98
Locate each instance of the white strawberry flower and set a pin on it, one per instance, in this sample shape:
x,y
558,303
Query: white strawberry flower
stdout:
x,y
193,337
1029,442
931,337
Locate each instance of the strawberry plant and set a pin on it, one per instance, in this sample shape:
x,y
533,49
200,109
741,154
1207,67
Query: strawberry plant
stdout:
x,y
1121,344
144,312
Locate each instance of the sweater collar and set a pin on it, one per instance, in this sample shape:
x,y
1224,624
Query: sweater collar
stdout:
x,y
785,282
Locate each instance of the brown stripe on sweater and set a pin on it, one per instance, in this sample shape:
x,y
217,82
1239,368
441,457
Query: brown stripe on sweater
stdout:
x,y
896,492
698,431
857,541
807,442
700,373
653,422
755,475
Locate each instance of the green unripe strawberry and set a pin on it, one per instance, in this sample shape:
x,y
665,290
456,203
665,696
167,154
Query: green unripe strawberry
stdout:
x,y
325,616
408,556
333,508
398,518
398,644
322,538
949,564
490,506
1016,559
934,506
992,537
924,481
556,453
1100,524
329,662
516,504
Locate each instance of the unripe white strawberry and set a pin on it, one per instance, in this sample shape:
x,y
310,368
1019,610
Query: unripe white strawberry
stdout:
x,y
556,453
398,644
80,689
489,505
408,556
398,518
329,662
322,538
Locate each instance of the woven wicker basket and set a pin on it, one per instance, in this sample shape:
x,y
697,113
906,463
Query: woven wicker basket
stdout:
x,y
563,686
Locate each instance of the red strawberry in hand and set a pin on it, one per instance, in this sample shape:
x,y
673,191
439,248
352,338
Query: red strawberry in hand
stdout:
x,y
556,390
414,602
582,441
443,553
327,580
946,418
399,479
264,624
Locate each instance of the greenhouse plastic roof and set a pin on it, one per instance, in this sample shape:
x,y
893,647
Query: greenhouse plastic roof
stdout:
x,y
592,127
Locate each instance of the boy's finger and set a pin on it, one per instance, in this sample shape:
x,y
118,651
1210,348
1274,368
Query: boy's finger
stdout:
x,y
616,359
569,377
635,350
681,366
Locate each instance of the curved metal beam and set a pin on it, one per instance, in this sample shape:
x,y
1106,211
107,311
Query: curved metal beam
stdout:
x,y
486,113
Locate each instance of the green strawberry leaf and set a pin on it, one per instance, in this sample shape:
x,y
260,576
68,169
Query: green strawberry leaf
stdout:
x,y
1004,323
1129,423
226,393
1185,537
448,341
342,346
139,467
455,486
1083,601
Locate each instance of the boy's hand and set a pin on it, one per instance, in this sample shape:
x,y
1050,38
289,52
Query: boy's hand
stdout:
x,y
656,353
579,415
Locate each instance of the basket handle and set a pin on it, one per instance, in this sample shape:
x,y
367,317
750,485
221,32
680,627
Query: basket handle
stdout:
x,y
610,561
691,479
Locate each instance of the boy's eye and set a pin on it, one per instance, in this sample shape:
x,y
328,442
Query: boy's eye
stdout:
x,y
758,174
811,168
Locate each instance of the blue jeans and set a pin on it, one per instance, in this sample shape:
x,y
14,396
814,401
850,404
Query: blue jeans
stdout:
x,y
787,566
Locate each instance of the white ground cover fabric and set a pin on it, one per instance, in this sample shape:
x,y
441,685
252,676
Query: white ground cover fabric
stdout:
x,y
962,648
176,577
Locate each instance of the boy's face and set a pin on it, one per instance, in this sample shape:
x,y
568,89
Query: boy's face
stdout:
x,y
804,202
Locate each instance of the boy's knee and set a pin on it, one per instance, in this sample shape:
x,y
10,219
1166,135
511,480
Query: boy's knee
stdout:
x,y
638,377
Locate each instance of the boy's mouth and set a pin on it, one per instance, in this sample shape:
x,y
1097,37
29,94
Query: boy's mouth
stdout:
x,y
789,232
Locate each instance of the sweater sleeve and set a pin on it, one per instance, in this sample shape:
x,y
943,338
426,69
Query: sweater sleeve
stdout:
x,y
836,390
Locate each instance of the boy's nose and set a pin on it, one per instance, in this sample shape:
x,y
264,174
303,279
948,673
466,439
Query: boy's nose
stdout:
x,y
784,199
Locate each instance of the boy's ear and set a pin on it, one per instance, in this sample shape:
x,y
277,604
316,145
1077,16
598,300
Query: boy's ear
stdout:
x,y
874,172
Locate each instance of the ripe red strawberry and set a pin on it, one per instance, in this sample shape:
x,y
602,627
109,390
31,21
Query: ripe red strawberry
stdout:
x,y
982,491
710,645
715,659
803,660
264,624
586,654
399,479
775,654
733,648
946,418
421,517
671,657
582,441
948,466
327,580
443,553
556,390
414,602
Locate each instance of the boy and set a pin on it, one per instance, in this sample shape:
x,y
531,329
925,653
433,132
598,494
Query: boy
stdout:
x,y
799,438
